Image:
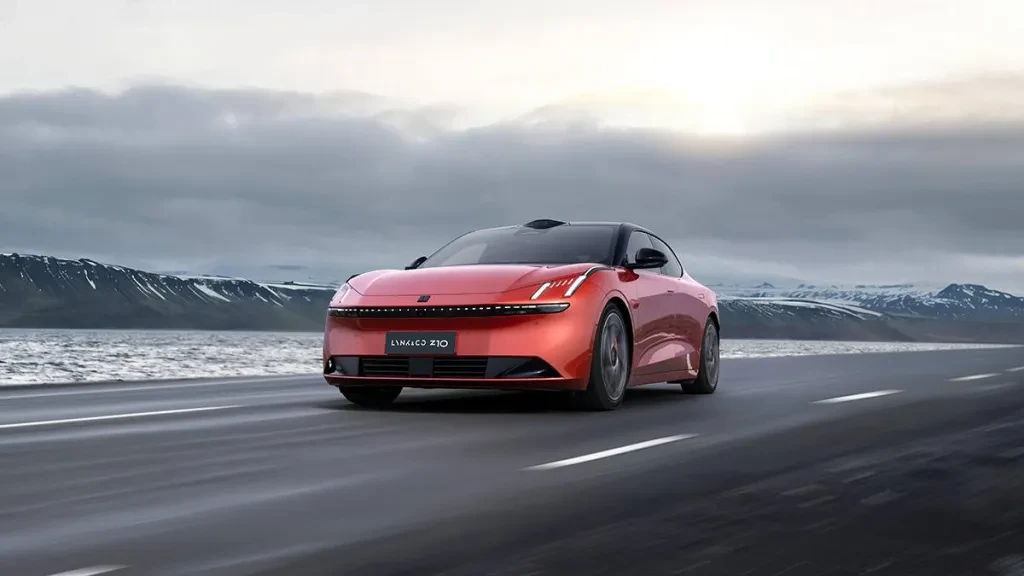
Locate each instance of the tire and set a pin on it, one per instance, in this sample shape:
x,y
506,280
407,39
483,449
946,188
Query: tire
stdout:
x,y
610,363
710,363
371,397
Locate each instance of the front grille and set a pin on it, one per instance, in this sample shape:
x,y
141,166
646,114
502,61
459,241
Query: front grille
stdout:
x,y
444,368
484,311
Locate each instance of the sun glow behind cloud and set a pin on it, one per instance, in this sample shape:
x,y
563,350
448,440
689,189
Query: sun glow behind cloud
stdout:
x,y
716,74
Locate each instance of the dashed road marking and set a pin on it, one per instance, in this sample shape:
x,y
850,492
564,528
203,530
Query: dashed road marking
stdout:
x,y
91,571
988,387
973,377
612,452
87,388
853,397
114,417
1017,369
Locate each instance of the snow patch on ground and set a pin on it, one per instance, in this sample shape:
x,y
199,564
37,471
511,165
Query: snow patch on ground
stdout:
x,y
209,292
155,290
314,287
841,307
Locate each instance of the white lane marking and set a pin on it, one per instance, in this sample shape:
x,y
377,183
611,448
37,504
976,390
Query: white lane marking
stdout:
x,y
143,388
973,377
92,571
115,416
611,452
1017,369
988,387
862,396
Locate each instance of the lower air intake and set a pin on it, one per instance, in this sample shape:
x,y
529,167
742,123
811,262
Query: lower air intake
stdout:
x,y
444,368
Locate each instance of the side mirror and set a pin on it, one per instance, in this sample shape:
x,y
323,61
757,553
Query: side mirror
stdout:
x,y
416,263
648,258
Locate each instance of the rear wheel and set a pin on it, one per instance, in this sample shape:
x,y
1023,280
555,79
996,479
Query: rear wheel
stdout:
x,y
710,361
371,397
610,363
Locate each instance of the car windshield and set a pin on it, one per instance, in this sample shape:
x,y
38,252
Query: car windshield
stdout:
x,y
566,244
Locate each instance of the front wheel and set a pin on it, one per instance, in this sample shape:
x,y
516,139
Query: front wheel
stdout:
x,y
371,397
610,364
710,363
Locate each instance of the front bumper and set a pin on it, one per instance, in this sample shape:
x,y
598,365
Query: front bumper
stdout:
x,y
495,372
498,345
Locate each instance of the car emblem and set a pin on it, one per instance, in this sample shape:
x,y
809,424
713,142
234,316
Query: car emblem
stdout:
x,y
423,298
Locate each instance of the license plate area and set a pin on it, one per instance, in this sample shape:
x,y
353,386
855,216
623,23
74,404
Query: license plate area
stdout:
x,y
420,343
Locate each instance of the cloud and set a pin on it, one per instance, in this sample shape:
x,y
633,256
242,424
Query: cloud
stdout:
x,y
985,98
183,178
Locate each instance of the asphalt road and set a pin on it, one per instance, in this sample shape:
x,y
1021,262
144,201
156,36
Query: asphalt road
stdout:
x,y
870,463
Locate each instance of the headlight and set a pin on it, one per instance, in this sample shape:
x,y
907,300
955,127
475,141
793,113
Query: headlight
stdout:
x,y
553,287
540,290
575,285
570,285
339,295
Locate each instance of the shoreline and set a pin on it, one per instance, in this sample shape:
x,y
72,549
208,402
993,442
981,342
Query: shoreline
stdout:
x,y
751,351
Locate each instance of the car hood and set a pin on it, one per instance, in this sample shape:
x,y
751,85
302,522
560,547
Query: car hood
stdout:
x,y
475,279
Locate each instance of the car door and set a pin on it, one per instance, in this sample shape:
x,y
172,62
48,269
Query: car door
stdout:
x,y
685,305
656,347
641,301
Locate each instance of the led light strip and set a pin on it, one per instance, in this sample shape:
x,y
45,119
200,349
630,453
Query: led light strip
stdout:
x,y
579,280
540,290
428,311
576,284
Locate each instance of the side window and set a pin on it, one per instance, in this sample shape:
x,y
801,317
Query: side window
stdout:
x,y
637,240
673,268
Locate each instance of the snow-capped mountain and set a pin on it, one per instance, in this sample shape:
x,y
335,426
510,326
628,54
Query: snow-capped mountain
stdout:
x,y
47,292
968,302
42,291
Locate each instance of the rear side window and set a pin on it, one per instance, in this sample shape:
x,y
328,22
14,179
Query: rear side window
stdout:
x,y
566,244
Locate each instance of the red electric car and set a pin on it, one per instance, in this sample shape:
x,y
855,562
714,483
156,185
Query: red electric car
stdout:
x,y
592,308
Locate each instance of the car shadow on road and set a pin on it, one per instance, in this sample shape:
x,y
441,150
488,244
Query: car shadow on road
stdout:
x,y
496,402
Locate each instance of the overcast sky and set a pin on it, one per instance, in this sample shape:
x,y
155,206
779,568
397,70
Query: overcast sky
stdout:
x,y
827,141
